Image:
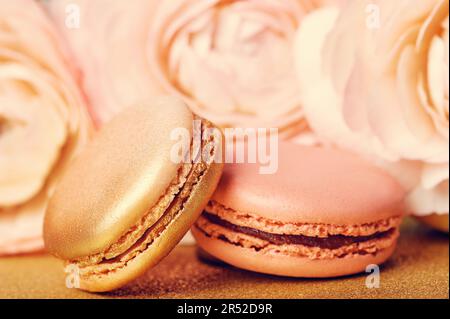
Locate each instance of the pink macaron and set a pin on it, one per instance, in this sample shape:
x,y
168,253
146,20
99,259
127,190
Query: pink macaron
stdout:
x,y
324,213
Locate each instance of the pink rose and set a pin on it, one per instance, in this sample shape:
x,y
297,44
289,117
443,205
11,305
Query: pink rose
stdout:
x,y
42,121
231,61
375,79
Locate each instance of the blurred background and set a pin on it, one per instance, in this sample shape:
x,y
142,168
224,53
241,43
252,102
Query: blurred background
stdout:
x,y
367,76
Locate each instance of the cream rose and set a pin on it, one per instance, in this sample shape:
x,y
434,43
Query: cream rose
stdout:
x,y
231,61
42,121
375,80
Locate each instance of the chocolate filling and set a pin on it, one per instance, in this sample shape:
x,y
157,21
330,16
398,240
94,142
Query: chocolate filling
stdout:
x,y
330,242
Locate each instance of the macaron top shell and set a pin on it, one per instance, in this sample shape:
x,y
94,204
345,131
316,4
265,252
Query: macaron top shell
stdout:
x,y
312,185
118,178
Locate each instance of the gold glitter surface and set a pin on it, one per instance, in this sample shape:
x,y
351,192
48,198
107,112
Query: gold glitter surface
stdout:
x,y
418,269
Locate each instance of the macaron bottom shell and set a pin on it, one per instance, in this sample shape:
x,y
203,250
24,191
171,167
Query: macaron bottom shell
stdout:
x,y
289,266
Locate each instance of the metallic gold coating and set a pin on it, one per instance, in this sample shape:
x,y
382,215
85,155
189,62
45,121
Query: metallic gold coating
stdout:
x,y
119,176
165,242
114,236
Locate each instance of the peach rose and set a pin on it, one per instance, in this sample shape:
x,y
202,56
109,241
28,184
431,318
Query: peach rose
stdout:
x,y
42,121
375,79
231,61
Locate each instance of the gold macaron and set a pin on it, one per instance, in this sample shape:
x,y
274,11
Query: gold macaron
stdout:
x,y
126,202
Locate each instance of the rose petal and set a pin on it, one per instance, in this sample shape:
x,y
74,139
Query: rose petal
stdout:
x,y
388,123
368,90
416,118
321,102
119,30
42,118
21,228
425,201
436,77
231,62
39,137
